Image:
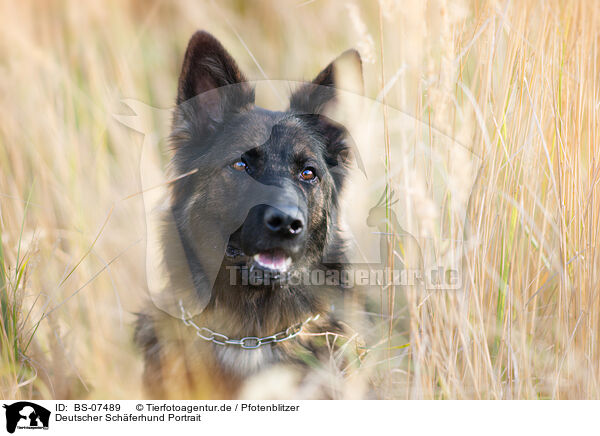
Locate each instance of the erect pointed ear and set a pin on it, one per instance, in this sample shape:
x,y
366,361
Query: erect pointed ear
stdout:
x,y
319,96
213,80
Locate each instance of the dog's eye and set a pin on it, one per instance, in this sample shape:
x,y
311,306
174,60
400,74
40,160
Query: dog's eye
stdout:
x,y
308,174
240,165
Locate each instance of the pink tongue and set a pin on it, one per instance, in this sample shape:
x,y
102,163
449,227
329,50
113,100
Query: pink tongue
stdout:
x,y
273,260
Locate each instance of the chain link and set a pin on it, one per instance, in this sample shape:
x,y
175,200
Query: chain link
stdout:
x,y
248,342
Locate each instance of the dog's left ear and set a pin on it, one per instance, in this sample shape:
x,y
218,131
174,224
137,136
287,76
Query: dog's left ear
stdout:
x,y
320,96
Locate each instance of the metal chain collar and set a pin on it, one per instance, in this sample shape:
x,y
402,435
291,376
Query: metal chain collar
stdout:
x,y
248,342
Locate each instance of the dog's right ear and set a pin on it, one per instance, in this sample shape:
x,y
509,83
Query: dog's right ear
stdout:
x,y
211,84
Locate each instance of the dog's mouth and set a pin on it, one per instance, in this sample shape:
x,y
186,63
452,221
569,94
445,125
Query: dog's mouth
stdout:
x,y
273,260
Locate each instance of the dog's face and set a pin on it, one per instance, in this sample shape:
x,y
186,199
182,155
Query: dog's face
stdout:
x,y
264,185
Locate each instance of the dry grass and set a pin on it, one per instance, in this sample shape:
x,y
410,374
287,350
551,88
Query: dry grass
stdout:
x,y
516,84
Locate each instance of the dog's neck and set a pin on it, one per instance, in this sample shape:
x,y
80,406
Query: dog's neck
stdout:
x,y
265,310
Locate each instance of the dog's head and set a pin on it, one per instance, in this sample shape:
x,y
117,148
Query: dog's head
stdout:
x,y
264,185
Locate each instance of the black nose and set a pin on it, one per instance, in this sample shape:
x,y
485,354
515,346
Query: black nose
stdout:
x,y
285,221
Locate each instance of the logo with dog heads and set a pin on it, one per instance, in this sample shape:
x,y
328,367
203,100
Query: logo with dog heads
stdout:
x,y
26,415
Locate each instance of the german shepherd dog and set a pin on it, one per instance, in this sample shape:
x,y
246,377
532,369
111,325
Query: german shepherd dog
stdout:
x,y
255,192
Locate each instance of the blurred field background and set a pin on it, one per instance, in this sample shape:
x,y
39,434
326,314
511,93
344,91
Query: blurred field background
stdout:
x,y
517,83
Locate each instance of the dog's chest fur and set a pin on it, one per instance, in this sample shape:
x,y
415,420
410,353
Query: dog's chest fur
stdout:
x,y
243,363
179,364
